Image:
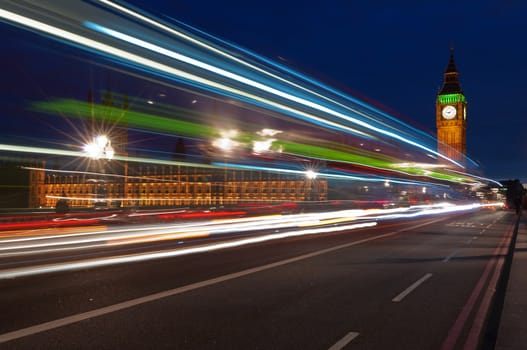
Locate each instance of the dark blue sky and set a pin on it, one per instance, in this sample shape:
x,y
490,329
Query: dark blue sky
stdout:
x,y
390,53
394,53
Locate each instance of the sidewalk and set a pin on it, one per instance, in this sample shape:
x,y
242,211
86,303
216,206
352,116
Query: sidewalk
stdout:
x,y
512,332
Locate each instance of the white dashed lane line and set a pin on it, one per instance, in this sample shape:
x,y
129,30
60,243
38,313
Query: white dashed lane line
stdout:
x,y
410,289
344,341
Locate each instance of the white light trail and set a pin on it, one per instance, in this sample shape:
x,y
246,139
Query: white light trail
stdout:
x,y
10,16
28,271
213,49
274,222
36,244
52,151
294,225
40,26
263,87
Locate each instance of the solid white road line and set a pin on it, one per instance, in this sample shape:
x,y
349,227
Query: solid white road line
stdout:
x,y
411,288
344,341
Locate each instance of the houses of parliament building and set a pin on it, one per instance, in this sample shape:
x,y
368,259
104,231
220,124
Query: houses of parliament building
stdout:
x,y
120,182
158,186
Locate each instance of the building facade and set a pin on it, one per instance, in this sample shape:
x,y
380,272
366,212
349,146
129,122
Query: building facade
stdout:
x,y
173,186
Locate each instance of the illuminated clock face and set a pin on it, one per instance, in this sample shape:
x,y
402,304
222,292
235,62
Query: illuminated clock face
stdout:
x,y
449,112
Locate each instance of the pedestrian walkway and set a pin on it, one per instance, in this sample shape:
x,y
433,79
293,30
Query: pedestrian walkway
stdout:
x,y
512,332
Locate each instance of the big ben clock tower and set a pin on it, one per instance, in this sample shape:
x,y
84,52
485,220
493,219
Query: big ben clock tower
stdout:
x,y
451,115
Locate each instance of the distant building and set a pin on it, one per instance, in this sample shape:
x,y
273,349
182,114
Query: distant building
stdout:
x,y
112,183
159,186
451,115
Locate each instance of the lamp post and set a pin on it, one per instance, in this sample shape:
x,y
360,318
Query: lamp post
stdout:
x,y
225,144
310,176
100,149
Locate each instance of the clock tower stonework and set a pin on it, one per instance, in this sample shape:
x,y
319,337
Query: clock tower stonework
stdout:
x,y
451,115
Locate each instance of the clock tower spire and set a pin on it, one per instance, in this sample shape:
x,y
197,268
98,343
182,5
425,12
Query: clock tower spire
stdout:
x,y
451,115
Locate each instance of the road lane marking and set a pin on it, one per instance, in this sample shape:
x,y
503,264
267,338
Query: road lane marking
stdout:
x,y
481,316
411,288
461,224
447,259
344,341
455,331
168,293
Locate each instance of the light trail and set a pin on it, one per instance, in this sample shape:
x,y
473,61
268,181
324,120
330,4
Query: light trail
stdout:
x,y
232,76
203,44
79,154
11,246
318,223
40,26
263,87
345,177
200,228
69,266
79,108
36,25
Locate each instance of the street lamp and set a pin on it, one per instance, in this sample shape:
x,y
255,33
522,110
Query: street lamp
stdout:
x,y
100,148
226,144
310,176
264,145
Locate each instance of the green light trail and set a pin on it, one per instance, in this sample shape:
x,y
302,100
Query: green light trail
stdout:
x,y
152,122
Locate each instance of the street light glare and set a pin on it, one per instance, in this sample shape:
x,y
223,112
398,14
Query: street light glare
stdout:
x,y
91,149
262,146
310,174
102,141
224,143
268,132
100,147
109,151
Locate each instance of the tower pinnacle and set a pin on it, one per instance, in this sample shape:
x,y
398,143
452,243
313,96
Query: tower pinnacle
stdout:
x,y
451,82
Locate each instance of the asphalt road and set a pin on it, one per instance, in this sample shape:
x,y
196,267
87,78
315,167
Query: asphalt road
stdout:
x,y
412,284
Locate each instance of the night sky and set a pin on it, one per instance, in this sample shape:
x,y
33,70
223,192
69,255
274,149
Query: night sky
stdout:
x,y
389,53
